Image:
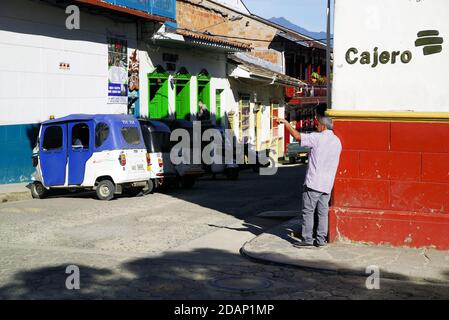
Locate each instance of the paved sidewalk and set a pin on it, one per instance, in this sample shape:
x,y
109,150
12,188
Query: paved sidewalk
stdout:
x,y
394,263
14,192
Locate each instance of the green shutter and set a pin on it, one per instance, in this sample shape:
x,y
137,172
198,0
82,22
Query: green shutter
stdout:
x,y
182,91
158,105
218,106
158,94
204,92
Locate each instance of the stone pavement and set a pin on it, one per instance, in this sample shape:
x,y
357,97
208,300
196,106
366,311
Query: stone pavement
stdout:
x,y
14,192
398,263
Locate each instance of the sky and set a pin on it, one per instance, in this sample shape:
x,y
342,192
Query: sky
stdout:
x,y
309,14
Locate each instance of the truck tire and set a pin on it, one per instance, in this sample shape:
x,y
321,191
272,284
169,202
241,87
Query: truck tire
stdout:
x,y
105,190
38,191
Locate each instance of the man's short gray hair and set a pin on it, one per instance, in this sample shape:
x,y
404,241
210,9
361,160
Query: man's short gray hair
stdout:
x,y
327,122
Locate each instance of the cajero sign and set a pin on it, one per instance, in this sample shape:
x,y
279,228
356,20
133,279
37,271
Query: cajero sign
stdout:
x,y
427,38
384,58
391,55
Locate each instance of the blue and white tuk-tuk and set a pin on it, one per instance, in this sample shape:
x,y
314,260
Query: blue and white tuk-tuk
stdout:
x,y
187,173
156,136
105,153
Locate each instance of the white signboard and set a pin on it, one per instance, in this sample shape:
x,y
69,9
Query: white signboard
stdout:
x,y
391,55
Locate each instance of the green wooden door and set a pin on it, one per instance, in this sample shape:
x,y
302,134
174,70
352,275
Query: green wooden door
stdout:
x,y
158,104
182,105
218,106
204,92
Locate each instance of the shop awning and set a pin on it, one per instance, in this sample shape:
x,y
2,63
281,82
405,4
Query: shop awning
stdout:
x,y
244,69
301,40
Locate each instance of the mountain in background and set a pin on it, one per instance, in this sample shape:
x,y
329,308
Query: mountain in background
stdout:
x,y
287,24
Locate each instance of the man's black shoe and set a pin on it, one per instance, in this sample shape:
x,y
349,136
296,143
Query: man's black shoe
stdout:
x,y
319,245
303,245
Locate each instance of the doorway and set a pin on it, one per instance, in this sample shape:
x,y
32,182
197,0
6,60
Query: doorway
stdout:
x,y
158,94
204,88
182,94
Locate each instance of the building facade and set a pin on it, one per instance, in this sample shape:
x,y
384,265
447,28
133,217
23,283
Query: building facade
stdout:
x,y
49,69
257,99
392,185
182,68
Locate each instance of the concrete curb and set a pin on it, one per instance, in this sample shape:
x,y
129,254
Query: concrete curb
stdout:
x,y
14,196
14,192
405,264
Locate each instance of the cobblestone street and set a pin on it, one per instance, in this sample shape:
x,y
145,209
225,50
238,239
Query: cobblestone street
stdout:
x,y
176,245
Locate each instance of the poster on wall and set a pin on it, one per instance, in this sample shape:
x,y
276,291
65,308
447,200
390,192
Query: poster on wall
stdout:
x,y
118,71
133,84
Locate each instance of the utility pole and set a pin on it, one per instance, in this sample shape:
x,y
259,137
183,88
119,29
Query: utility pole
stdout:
x,y
328,55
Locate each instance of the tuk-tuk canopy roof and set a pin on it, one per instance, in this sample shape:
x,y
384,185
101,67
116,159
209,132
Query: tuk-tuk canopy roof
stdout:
x,y
178,123
88,117
156,126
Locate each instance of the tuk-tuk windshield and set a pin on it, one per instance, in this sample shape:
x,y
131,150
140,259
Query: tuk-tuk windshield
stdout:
x,y
131,135
160,142
156,141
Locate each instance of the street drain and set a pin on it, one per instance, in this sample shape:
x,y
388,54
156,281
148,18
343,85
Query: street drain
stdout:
x,y
241,284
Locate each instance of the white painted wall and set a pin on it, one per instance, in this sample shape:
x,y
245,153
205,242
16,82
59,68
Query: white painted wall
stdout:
x,y
234,4
32,44
420,85
265,93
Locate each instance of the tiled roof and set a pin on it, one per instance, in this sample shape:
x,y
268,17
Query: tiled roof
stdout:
x,y
264,72
213,39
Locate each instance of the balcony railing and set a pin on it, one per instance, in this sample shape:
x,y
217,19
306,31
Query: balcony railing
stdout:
x,y
163,8
310,94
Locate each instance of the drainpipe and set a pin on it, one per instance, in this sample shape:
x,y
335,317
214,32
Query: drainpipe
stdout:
x,y
328,56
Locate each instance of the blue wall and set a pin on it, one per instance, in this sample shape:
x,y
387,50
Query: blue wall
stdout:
x,y
163,8
16,148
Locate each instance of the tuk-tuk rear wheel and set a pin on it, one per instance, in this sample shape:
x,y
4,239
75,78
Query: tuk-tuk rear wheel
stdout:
x,y
105,190
38,190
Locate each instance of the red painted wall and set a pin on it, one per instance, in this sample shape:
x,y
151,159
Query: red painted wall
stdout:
x,y
392,184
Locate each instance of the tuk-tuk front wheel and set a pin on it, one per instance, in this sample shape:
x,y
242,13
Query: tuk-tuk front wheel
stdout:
x,y
105,190
38,190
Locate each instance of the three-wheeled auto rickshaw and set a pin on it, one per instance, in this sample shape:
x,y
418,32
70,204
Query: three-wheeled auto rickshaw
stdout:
x,y
156,135
228,168
105,153
187,172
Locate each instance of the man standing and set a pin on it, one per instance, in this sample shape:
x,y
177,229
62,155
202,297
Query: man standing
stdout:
x,y
323,163
203,114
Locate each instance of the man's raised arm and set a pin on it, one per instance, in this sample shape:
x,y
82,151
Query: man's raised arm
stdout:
x,y
295,133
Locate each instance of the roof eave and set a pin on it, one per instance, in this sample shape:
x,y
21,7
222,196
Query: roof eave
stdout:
x,y
125,10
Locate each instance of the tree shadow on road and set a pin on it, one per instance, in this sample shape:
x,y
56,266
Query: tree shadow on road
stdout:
x,y
194,275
